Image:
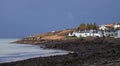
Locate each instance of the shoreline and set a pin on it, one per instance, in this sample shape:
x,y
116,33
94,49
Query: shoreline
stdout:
x,y
95,51
24,55
57,54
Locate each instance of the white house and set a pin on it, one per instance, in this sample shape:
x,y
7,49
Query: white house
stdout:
x,y
108,33
117,25
117,34
103,27
87,33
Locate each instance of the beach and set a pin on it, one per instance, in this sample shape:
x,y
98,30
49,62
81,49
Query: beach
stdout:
x,y
85,53
11,52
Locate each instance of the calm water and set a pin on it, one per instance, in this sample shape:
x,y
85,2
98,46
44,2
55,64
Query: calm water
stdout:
x,y
13,52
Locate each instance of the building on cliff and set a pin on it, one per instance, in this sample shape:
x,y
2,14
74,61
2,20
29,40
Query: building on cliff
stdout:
x,y
87,33
96,33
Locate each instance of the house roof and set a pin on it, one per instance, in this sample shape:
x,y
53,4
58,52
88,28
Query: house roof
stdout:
x,y
103,27
108,25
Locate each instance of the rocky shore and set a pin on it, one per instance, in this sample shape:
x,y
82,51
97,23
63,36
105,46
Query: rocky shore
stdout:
x,y
87,52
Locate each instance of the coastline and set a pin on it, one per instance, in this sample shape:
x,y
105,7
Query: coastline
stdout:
x,y
95,51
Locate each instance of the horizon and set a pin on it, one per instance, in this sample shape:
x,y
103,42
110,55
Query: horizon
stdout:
x,y
21,18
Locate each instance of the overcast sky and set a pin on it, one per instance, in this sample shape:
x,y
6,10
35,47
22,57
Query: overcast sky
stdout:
x,y
20,18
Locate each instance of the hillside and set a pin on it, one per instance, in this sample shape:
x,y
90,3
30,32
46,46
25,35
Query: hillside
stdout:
x,y
45,37
54,35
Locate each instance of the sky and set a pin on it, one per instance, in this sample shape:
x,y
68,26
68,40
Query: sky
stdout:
x,y
21,18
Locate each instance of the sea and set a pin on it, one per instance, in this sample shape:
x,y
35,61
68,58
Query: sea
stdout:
x,y
11,52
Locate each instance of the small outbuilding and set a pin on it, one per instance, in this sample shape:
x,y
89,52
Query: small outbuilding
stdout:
x,y
117,34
